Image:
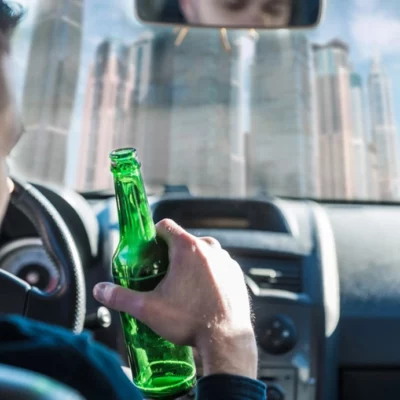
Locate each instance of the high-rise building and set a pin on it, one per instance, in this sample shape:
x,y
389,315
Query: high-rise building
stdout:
x,y
200,138
140,61
106,114
334,100
151,102
181,112
282,134
49,91
359,142
384,132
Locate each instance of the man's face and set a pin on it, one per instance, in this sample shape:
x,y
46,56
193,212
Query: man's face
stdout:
x,y
246,13
10,125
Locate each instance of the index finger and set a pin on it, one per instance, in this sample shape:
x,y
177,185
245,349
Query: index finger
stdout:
x,y
170,231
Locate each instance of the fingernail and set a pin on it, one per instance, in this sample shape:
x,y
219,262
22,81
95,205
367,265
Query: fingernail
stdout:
x,y
99,291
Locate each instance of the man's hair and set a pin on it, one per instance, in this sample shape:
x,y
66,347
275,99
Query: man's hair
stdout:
x,y
10,15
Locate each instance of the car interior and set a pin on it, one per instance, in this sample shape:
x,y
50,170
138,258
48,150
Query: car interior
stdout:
x,y
307,201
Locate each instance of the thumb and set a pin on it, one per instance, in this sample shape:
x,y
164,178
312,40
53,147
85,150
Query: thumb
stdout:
x,y
140,305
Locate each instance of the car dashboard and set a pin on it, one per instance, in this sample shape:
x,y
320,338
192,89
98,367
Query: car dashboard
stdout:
x,y
323,278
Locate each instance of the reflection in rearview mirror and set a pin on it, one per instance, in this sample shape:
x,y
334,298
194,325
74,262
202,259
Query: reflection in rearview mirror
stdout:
x,y
242,14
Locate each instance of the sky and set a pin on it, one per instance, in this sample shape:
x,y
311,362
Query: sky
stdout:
x,y
369,27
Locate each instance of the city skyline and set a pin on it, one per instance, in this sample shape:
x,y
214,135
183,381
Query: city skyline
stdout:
x,y
343,169
346,167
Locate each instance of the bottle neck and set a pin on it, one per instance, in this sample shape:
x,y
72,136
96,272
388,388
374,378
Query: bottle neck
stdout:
x,y
134,214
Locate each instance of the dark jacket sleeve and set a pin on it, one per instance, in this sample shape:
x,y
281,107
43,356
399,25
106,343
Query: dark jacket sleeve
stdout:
x,y
90,368
230,387
75,360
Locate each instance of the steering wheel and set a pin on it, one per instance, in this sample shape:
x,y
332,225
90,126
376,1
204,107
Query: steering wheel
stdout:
x,y
19,384
66,304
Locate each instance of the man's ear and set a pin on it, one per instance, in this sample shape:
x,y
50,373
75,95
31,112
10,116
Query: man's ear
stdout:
x,y
189,11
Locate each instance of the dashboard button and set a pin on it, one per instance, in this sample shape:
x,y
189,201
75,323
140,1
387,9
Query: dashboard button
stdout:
x,y
274,393
278,335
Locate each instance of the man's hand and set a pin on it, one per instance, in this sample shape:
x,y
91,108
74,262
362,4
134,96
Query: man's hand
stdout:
x,y
202,302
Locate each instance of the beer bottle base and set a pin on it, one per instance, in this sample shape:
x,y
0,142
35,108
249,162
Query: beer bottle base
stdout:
x,y
167,386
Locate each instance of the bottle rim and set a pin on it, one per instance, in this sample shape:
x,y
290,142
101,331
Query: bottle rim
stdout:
x,y
122,154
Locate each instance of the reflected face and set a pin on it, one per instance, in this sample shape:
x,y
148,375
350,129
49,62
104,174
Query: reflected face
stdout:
x,y
240,13
10,125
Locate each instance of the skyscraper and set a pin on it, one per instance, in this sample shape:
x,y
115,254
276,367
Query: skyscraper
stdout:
x,y
181,112
106,115
384,132
49,92
359,142
140,61
335,125
282,136
151,102
200,139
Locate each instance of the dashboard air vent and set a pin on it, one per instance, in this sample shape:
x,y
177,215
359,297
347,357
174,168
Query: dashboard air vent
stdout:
x,y
273,273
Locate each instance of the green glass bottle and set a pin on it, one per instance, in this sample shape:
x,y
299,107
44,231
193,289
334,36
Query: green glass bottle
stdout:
x,y
160,369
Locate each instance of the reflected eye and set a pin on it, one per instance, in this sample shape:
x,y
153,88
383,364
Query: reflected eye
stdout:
x,y
276,8
235,5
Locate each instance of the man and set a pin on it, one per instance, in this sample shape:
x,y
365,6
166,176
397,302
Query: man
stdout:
x,y
238,13
202,302
11,128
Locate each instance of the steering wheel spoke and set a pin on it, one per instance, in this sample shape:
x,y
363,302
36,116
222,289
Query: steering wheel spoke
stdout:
x,y
53,309
14,293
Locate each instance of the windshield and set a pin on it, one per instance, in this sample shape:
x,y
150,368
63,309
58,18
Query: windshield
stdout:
x,y
286,113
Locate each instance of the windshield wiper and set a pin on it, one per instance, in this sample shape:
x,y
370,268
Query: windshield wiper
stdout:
x,y
98,194
177,189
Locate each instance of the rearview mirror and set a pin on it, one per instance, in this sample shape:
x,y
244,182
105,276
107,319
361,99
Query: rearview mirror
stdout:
x,y
234,14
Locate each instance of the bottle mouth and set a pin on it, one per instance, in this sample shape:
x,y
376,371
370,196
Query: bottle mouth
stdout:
x,y
124,154
123,158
